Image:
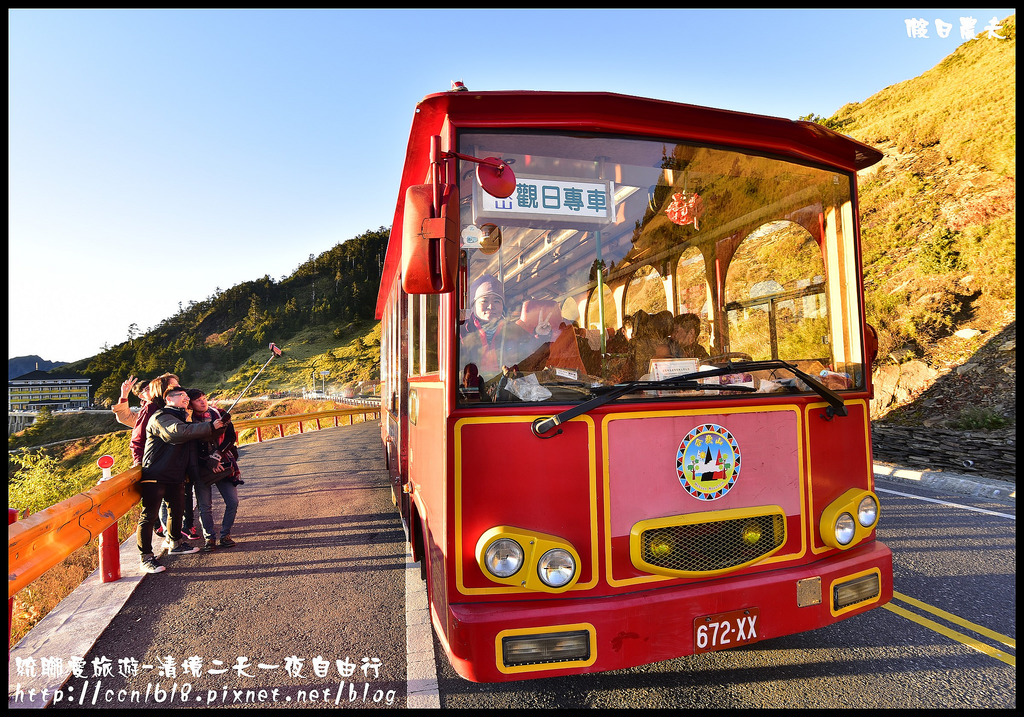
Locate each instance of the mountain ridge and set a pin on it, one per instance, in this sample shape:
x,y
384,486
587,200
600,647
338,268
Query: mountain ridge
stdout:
x,y
20,365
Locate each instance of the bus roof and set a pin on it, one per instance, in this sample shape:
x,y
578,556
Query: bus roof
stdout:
x,y
605,112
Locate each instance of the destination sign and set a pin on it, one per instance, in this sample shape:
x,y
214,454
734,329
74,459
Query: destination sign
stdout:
x,y
545,197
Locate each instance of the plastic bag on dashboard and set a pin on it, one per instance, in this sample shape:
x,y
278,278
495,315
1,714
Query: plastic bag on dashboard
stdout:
x,y
528,388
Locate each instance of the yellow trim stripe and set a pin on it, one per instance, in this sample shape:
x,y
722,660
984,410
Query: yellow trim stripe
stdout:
x,y
460,583
699,415
818,546
1005,657
540,630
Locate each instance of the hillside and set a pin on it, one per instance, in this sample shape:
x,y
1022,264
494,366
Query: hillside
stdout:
x,y
321,315
938,222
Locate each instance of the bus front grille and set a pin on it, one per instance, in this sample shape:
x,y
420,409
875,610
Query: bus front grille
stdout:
x,y
707,543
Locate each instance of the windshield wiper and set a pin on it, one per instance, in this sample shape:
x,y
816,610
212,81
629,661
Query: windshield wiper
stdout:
x,y
688,381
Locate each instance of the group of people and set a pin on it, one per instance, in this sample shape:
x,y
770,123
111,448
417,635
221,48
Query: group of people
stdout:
x,y
185,447
490,341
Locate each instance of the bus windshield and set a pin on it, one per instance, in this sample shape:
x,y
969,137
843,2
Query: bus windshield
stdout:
x,y
618,260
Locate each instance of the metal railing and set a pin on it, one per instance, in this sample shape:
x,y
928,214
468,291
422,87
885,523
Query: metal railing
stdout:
x,y
41,541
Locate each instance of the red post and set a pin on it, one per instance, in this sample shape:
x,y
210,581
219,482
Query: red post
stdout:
x,y
12,515
259,435
110,555
110,547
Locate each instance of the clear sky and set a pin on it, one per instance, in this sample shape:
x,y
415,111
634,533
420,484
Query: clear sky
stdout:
x,y
158,155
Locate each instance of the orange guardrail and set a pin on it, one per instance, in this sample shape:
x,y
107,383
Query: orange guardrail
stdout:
x,y
42,540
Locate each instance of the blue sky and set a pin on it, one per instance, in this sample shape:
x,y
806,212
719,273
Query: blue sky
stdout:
x,y
156,155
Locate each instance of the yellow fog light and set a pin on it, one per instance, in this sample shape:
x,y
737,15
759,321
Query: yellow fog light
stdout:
x,y
660,547
751,533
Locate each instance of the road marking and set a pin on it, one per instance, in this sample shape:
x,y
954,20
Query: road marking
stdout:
x,y
421,673
1009,659
944,502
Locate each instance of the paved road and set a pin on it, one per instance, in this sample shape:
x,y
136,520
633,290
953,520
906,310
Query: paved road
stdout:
x,y
310,610
304,608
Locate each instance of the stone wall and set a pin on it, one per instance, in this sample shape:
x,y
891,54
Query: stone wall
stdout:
x,y
985,453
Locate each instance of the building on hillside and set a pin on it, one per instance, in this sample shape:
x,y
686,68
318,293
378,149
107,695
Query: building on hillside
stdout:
x,y
39,389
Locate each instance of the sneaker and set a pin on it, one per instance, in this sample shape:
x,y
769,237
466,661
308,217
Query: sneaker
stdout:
x,y
159,530
227,542
150,565
191,534
183,547
209,546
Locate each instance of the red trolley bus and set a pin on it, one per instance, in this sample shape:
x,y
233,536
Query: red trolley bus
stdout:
x,y
626,377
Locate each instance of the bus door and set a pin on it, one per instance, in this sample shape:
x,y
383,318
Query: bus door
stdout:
x,y
394,396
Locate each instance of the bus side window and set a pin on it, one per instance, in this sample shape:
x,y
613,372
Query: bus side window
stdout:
x,y
414,334
430,340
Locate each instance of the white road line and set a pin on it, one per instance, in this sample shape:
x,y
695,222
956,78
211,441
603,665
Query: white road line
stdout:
x,y
944,502
421,673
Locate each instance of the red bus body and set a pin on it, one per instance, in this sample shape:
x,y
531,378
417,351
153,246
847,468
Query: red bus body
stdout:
x,y
661,567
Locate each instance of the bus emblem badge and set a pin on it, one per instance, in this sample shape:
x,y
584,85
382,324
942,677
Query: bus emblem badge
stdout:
x,y
708,462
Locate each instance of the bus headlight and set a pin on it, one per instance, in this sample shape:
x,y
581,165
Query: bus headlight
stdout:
x,y
849,519
504,557
845,529
556,567
867,511
527,559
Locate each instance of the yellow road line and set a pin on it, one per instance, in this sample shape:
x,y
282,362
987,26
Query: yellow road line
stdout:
x,y
1008,641
953,634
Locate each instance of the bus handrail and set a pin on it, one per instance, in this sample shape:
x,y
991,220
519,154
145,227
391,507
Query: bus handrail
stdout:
x,y
44,539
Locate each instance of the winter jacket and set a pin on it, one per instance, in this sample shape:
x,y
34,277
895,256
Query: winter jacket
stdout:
x,y
138,442
170,452
505,346
123,413
223,441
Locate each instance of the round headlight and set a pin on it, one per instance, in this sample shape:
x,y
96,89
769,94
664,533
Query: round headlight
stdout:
x,y
867,511
504,557
845,529
556,567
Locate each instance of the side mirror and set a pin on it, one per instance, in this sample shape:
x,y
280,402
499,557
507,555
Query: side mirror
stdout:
x,y
430,245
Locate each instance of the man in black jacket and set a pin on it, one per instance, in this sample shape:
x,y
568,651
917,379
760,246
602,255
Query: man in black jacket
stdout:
x,y
169,457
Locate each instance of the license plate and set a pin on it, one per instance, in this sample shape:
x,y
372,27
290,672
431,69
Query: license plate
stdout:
x,y
726,629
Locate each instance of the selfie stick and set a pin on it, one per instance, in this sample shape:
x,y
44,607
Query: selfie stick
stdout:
x,y
274,351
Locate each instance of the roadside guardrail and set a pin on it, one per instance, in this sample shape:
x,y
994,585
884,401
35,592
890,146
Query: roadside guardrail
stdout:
x,y
41,541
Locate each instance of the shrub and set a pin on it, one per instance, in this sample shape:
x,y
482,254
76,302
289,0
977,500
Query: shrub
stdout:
x,y
939,256
39,481
979,418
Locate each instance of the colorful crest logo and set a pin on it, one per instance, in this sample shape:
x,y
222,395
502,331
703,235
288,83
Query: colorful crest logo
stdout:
x,y
708,462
